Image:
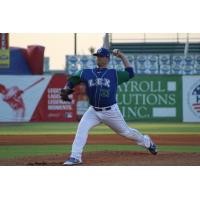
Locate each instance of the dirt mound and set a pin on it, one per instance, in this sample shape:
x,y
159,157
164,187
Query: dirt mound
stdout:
x,y
112,158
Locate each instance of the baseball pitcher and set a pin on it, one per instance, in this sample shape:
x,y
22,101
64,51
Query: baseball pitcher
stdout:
x,y
101,87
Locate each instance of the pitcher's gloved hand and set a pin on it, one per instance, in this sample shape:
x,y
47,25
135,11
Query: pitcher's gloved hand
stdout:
x,y
64,93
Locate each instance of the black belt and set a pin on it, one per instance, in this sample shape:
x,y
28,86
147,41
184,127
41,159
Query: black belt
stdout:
x,y
102,109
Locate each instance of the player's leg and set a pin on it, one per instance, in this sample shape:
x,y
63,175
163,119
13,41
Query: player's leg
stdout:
x,y
114,119
19,114
88,121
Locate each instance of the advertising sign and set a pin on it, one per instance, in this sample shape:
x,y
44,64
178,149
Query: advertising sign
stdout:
x,y
151,98
191,98
34,98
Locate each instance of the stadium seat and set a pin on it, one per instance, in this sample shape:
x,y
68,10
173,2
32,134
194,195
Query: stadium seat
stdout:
x,y
87,62
141,66
165,64
177,64
117,63
84,62
71,64
152,64
143,63
197,64
188,66
131,59
91,62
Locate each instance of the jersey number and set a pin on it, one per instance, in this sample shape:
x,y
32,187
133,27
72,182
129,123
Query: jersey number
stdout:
x,y
104,93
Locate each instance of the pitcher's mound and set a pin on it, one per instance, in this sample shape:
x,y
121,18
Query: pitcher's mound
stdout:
x,y
112,158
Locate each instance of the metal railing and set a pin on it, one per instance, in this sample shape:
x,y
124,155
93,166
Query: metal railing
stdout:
x,y
154,37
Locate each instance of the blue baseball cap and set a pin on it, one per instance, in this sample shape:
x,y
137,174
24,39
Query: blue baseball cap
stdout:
x,y
102,52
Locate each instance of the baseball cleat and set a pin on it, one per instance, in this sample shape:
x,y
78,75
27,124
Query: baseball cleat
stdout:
x,y
150,145
152,149
72,161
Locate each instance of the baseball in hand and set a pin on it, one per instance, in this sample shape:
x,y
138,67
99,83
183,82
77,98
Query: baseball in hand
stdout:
x,y
115,52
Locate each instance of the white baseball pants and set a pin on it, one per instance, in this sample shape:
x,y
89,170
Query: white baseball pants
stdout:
x,y
112,118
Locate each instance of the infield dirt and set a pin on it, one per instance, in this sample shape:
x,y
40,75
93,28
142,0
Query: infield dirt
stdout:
x,y
106,158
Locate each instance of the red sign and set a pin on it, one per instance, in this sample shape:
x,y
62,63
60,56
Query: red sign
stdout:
x,y
51,107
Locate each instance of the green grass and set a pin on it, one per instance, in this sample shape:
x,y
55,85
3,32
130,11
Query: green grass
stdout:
x,y
69,128
39,150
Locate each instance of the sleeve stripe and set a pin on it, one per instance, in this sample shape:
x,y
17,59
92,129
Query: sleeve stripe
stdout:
x,y
116,76
81,74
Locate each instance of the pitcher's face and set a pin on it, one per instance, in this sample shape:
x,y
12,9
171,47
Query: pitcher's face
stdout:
x,y
102,61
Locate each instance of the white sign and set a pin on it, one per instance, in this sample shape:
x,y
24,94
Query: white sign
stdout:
x,y
19,96
191,98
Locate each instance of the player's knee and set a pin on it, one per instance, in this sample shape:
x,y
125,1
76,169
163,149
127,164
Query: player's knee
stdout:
x,y
129,132
125,132
133,130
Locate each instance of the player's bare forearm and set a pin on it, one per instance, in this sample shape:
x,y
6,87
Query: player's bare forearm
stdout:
x,y
127,65
125,61
119,54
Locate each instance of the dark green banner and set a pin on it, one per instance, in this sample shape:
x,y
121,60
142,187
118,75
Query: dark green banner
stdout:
x,y
151,98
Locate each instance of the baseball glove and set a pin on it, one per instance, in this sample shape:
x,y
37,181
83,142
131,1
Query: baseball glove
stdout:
x,y
64,94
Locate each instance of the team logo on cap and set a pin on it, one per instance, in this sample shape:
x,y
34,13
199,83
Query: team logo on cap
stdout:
x,y
194,98
99,51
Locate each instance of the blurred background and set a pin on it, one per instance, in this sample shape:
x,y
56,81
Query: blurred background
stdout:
x,y
166,86
58,45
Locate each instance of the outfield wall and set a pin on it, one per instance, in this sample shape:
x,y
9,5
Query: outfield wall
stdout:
x,y
144,98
